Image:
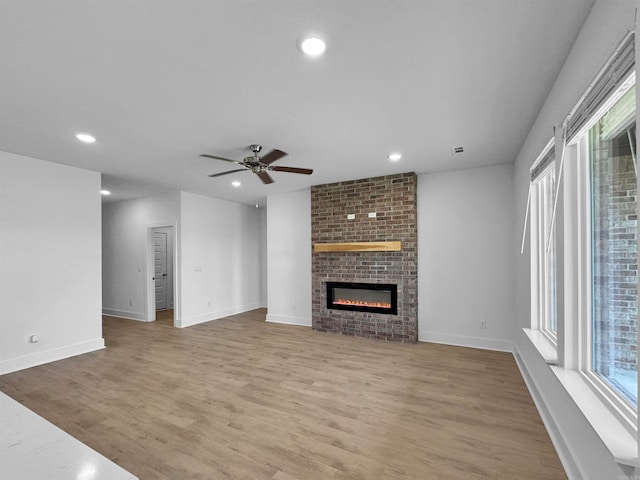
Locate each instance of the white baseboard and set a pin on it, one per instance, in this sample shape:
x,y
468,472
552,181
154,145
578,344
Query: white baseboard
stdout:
x,y
288,320
562,448
464,341
40,358
215,315
141,317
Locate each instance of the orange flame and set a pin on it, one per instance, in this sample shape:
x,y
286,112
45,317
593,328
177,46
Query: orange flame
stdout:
x,y
361,303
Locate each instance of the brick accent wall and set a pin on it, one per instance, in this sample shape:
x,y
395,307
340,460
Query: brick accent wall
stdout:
x,y
393,199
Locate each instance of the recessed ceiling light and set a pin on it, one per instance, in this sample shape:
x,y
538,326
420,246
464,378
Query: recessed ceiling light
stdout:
x,y
105,192
394,157
236,184
313,46
85,137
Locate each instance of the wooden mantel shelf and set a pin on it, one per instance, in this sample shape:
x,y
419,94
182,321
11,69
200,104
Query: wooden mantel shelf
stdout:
x,y
395,246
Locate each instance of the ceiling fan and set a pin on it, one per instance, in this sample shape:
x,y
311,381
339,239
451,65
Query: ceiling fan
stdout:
x,y
260,165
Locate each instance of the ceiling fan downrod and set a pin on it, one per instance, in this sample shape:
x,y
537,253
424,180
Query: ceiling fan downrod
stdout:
x,y
255,148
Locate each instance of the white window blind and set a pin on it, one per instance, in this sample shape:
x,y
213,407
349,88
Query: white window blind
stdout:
x,y
541,165
615,72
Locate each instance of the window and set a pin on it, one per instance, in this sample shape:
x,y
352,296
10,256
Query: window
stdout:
x,y
543,259
614,243
584,255
607,259
601,278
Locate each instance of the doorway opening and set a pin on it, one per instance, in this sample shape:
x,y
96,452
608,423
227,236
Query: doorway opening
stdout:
x,y
162,287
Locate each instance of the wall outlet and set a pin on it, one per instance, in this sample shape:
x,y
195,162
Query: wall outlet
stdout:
x,y
131,303
33,338
483,324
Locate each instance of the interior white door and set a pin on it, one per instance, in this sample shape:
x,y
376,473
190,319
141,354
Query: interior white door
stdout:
x,y
160,271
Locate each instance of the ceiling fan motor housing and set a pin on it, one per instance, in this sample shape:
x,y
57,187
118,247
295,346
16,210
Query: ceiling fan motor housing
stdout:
x,y
260,165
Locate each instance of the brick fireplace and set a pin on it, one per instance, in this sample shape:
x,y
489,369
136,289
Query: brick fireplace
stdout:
x,y
381,209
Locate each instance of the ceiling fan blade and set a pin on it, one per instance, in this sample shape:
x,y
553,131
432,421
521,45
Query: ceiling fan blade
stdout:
x,y
264,176
304,171
221,158
226,173
272,156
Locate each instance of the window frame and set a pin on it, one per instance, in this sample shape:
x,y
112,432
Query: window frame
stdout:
x,y
540,308
580,347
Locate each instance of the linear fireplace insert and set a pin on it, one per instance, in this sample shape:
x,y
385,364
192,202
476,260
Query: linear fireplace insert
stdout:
x,y
363,297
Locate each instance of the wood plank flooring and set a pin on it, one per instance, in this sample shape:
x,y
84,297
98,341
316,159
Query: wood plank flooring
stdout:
x,y
239,398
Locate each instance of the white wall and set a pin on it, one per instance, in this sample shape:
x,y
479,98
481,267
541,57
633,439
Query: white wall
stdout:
x,y
465,257
220,258
289,258
49,262
582,452
124,251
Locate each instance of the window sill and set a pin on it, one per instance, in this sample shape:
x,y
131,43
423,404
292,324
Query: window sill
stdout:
x,y
544,346
622,444
618,440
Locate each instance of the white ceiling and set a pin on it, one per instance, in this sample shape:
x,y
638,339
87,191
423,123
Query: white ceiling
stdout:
x,y
160,82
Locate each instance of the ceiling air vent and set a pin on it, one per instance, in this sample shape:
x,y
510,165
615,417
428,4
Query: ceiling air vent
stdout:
x,y
457,151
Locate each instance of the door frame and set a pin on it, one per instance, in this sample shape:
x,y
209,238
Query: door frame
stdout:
x,y
149,284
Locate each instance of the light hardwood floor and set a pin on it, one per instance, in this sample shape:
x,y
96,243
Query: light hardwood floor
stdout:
x,y
239,398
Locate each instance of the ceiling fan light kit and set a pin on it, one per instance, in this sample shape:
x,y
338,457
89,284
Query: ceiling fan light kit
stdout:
x,y
259,165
